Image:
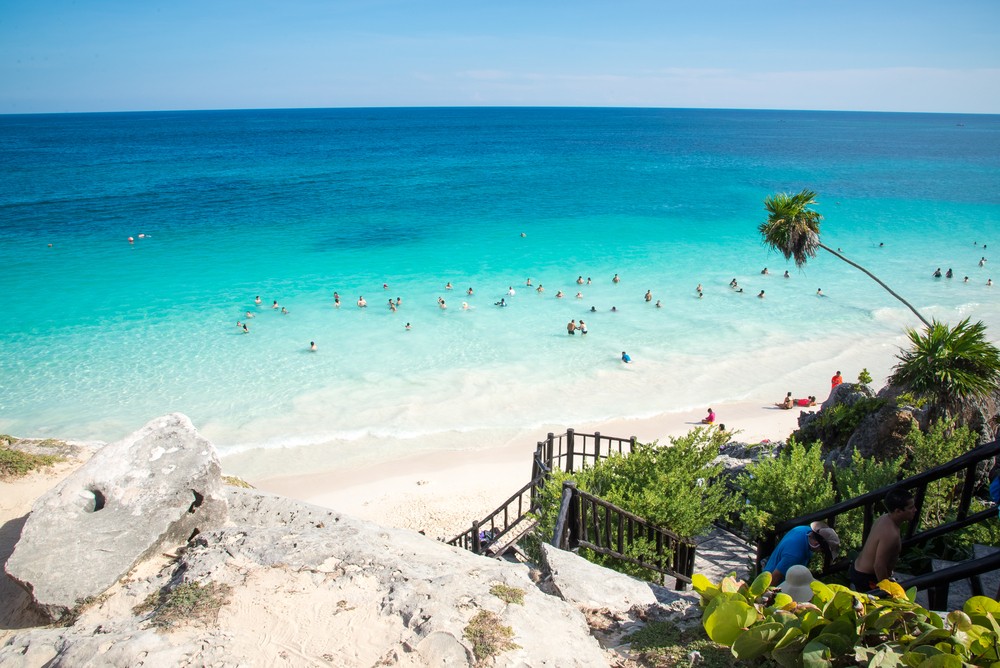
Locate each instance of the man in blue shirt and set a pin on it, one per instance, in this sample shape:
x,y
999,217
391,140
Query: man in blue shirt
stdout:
x,y
797,546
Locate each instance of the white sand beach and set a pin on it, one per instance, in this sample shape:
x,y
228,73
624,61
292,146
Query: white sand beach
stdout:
x,y
441,493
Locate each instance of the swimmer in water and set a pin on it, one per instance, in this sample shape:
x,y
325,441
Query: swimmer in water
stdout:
x,y
582,327
469,291
362,303
819,292
447,285
274,304
579,280
257,300
246,330
764,271
761,295
407,326
465,306
312,346
500,303
616,279
284,311
539,288
249,314
786,274
559,294
649,295
579,295
510,290
658,304
593,309
527,283
626,358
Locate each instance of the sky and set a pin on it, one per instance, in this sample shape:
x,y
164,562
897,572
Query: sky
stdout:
x,y
131,55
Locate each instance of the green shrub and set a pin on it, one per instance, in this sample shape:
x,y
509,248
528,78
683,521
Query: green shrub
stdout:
x,y
864,378
15,464
792,484
840,627
862,476
675,487
912,400
942,443
833,426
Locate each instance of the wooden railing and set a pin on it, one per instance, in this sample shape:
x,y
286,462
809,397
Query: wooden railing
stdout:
x,y
590,522
571,451
596,524
966,467
502,522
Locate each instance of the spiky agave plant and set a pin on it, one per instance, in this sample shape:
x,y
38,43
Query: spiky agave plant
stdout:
x,y
951,366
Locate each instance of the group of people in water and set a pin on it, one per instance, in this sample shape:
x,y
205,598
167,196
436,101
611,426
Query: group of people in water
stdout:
x,y
951,274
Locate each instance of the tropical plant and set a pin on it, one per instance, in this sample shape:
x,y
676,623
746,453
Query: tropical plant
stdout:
x,y
792,484
949,365
840,627
792,229
865,474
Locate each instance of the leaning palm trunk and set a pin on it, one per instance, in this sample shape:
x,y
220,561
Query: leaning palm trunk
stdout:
x,y
877,280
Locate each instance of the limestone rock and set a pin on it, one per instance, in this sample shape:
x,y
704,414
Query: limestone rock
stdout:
x,y
158,486
323,588
590,586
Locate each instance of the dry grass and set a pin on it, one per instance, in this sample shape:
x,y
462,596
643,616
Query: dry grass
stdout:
x,y
188,603
489,637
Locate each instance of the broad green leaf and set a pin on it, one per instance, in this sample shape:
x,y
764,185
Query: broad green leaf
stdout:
x,y
728,620
942,661
703,586
838,644
756,641
981,605
791,636
782,601
760,584
884,658
931,638
816,655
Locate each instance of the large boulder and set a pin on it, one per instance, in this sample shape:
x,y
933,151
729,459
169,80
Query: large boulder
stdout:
x,y
159,486
311,586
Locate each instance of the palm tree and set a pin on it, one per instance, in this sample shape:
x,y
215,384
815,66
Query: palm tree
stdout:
x,y
952,366
792,229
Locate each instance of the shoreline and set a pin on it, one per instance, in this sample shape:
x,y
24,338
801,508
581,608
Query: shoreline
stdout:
x,y
442,492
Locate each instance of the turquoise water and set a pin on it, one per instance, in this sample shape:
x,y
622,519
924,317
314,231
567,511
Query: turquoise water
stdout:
x,y
98,335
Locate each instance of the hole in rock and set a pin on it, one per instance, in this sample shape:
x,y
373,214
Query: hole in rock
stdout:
x,y
198,500
99,501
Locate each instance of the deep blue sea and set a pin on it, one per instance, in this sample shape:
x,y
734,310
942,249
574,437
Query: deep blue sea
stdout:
x,y
99,334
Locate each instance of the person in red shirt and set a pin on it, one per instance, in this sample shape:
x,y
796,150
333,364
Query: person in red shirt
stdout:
x,y
836,380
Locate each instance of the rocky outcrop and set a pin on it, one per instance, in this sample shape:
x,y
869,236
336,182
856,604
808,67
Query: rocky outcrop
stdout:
x,y
158,486
319,587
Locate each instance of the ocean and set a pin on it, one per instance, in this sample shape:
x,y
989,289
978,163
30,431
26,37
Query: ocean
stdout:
x,y
99,334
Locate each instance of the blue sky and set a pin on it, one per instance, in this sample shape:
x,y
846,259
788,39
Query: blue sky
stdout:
x,y
878,55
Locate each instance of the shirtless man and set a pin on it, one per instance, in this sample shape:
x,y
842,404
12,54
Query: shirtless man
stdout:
x,y
881,551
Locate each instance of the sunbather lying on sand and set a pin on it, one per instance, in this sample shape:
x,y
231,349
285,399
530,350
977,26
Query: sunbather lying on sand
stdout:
x,y
787,403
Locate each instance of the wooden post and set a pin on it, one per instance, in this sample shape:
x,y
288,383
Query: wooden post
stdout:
x,y
567,495
570,447
549,454
967,485
476,546
597,447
